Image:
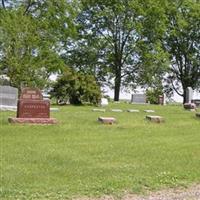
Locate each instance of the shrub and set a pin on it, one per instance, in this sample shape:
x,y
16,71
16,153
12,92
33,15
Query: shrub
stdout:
x,y
153,95
76,88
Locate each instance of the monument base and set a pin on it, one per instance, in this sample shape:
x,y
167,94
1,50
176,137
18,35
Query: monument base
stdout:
x,y
43,121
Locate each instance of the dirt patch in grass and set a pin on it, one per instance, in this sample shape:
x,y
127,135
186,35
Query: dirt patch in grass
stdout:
x,y
191,193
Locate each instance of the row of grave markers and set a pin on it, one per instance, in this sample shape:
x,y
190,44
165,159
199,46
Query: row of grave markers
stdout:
x,y
120,110
32,108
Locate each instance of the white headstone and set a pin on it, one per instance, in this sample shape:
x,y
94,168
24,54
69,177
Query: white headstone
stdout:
x,y
189,94
104,102
8,98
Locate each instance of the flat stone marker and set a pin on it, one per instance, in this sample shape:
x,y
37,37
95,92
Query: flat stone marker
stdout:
x,y
149,111
98,110
131,110
107,120
156,119
198,115
54,109
117,110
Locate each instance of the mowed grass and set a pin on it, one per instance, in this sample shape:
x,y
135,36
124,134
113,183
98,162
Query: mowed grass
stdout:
x,y
81,157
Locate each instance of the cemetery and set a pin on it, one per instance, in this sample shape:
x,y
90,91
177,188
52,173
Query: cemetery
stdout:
x,y
99,100
91,153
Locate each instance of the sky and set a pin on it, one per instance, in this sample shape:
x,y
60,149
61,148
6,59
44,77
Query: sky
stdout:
x,y
127,96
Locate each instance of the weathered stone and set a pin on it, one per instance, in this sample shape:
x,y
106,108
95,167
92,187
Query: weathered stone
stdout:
x,y
149,111
98,110
117,110
54,109
31,94
132,111
156,119
161,100
189,94
8,98
138,98
104,102
107,120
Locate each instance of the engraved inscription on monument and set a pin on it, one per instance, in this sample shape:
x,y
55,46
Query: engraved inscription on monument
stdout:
x,y
31,108
32,105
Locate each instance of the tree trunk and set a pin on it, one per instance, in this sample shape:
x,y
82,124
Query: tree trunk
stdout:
x,y
3,4
117,86
184,96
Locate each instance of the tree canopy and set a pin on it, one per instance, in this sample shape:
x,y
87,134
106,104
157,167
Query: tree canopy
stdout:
x,y
30,35
122,43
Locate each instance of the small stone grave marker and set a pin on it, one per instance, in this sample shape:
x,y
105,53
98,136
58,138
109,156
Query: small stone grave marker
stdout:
x,y
107,120
149,111
156,119
98,110
133,111
117,110
54,109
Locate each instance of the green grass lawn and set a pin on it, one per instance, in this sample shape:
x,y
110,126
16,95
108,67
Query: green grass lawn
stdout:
x,y
81,157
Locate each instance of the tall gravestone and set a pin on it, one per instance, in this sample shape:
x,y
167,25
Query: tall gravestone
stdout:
x,y
189,105
31,108
189,94
162,99
139,98
8,98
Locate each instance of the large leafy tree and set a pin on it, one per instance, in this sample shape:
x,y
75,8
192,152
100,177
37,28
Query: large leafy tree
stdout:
x,y
31,32
182,42
113,42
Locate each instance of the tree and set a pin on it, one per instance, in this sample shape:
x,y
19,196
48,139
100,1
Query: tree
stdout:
x,y
110,27
76,87
182,42
112,35
31,32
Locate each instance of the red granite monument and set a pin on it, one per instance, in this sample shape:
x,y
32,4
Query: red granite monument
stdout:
x,y
31,108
